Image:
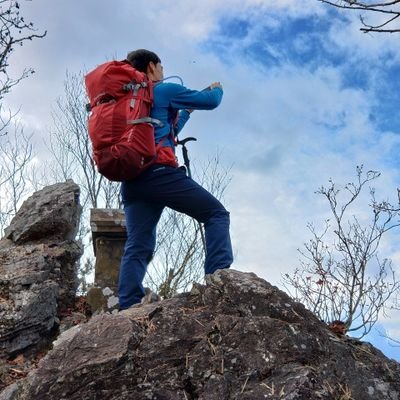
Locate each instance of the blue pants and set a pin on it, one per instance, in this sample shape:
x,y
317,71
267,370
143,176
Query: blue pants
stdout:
x,y
144,199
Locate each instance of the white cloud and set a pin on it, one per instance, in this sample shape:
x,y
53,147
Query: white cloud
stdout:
x,y
363,47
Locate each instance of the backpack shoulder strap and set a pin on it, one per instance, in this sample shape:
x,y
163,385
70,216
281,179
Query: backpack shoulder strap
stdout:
x,y
163,139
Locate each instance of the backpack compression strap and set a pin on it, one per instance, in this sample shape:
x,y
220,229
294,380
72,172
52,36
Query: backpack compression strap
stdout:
x,y
134,88
145,120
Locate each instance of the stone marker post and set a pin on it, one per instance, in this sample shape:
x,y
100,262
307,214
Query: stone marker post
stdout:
x,y
109,236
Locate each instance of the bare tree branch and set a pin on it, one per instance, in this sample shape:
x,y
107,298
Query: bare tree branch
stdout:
x,y
14,31
391,9
16,153
341,278
71,147
15,147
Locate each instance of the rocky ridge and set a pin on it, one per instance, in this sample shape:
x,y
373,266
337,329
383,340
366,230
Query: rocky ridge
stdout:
x,y
236,337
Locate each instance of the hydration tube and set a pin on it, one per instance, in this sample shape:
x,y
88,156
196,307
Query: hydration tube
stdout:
x,y
172,77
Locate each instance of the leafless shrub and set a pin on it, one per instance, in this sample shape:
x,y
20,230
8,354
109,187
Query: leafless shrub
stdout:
x,y
341,277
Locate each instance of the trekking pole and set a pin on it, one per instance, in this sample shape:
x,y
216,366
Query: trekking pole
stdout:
x,y
185,155
186,162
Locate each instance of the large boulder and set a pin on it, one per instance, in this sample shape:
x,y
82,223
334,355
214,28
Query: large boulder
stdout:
x,y
50,213
236,337
38,262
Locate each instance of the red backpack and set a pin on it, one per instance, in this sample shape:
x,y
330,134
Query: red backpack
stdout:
x,y
120,127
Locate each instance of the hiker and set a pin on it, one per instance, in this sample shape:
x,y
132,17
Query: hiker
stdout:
x,y
164,184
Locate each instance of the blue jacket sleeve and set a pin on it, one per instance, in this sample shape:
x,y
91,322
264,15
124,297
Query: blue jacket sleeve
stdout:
x,y
183,117
179,97
196,100
172,96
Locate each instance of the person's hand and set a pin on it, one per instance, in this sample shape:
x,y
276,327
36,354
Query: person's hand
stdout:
x,y
215,84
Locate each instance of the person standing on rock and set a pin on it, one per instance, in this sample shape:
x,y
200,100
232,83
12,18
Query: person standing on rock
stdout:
x,y
166,185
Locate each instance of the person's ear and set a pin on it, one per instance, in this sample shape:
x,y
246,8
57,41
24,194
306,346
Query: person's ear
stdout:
x,y
150,68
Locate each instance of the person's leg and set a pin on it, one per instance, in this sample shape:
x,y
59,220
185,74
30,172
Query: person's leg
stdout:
x,y
218,241
171,187
141,221
204,207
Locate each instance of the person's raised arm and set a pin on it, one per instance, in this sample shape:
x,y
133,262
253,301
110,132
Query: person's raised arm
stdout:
x,y
207,99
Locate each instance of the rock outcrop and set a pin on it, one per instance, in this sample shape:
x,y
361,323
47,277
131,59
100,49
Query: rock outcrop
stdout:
x,y
38,260
236,337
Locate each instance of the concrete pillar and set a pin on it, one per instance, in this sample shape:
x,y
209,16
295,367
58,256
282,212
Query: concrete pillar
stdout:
x,y
109,236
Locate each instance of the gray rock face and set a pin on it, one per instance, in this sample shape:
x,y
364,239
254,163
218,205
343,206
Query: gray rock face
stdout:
x,y
52,212
237,337
38,269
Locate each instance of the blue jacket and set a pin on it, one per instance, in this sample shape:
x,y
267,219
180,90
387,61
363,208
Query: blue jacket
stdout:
x,y
171,102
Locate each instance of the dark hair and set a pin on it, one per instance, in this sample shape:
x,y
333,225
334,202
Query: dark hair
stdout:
x,y
140,59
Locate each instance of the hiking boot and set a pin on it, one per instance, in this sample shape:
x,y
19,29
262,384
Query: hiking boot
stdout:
x,y
150,297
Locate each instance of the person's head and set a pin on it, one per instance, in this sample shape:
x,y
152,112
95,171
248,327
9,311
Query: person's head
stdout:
x,y
148,62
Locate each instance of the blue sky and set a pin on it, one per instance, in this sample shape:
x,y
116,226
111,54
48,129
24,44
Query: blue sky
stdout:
x,y
307,98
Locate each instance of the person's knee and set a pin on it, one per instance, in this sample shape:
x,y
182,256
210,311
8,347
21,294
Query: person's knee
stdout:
x,y
219,216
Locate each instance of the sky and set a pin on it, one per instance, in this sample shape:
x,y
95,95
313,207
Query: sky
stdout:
x,y
307,97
